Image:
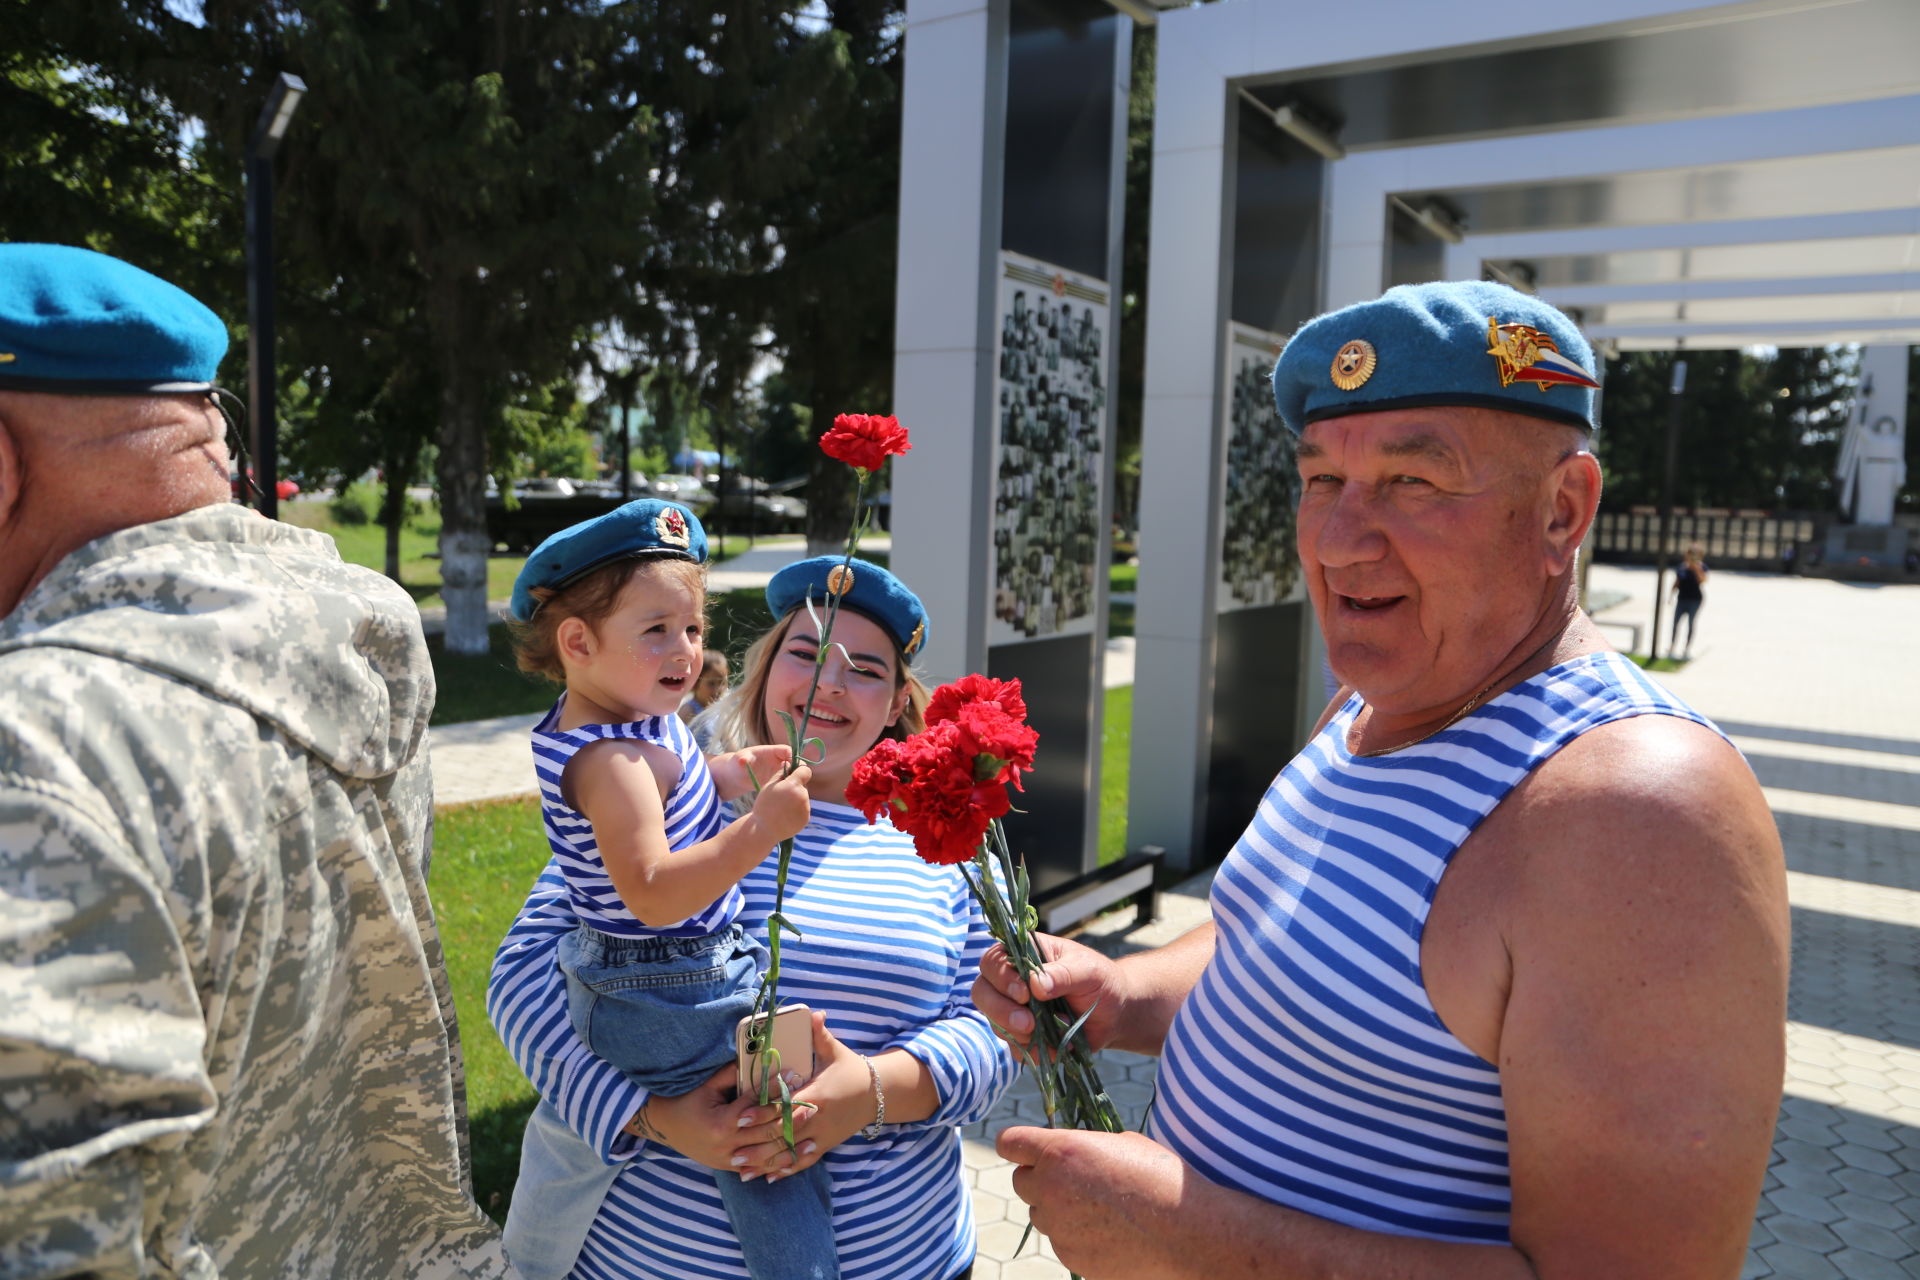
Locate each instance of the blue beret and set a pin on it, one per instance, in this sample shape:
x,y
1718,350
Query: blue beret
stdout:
x,y
1452,343
72,320
875,594
647,527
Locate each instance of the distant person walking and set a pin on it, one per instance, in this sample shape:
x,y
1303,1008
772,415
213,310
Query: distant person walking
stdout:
x,y
1688,580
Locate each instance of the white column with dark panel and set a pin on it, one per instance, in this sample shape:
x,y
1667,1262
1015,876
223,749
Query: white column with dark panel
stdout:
x,y
1014,135
1224,665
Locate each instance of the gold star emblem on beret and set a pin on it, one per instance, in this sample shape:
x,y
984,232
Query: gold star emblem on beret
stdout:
x,y
1353,364
671,528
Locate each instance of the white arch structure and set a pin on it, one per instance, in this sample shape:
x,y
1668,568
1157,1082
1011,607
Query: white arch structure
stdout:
x,y
1799,137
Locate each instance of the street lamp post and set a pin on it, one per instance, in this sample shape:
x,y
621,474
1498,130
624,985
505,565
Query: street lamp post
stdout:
x,y
275,116
1677,390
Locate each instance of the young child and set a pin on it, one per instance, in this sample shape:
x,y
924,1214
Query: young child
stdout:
x,y
708,689
658,972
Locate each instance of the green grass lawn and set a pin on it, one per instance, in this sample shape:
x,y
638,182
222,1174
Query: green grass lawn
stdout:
x,y
485,858
366,545
1116,745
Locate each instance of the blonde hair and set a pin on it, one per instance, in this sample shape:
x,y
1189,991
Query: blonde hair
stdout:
x,y
740,718
591,598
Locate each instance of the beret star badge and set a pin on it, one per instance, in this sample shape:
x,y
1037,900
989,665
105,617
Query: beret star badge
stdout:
x,y
1353,364
1522,353
671,528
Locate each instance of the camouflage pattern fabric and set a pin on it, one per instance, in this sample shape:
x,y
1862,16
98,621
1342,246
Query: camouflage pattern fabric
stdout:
x,y
227,1042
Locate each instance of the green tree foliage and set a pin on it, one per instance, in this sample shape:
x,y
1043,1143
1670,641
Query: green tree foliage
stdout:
x,y
491,161
93,148
828,300
543,432
1757,430
471,189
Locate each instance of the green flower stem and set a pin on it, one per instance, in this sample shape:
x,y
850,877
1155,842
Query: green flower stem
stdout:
x,y
1070,1088
767,1062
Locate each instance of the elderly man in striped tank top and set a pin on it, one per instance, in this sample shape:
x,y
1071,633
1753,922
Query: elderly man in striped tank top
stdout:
x,y
1495,983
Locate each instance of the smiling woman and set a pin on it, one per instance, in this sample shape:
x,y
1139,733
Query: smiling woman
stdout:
x,y
884,950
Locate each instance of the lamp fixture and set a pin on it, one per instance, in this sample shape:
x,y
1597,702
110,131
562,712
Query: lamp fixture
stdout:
x,y
283,99
1432,215
1514,275
1288,119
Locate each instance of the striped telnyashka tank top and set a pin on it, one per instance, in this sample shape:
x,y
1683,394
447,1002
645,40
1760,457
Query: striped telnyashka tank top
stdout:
x,y
1308,1067
693,814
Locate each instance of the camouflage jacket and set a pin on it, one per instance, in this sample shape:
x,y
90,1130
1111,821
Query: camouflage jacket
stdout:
x,y
227,1042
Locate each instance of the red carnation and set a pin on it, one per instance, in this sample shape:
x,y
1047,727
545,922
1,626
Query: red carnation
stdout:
x,y
1001,746
865,440
928,786
949,698
877,775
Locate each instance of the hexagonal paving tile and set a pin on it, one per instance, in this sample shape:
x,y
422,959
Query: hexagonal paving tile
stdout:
x,y
1856,1265
1796,1230
1872,1239
1791,1262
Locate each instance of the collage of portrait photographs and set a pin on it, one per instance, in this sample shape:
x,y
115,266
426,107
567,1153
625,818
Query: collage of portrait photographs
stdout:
x,y
1258,564
1051,394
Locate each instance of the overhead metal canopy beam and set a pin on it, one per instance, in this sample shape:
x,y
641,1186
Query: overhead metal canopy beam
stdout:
x,y
1566,242
1685,67
1602,295
1881,150
1903,331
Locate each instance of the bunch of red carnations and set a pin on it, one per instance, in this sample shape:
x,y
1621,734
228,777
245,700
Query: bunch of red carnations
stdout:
x,y
947,788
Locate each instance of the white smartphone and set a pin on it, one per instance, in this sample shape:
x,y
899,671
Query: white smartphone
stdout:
x,y
792,1037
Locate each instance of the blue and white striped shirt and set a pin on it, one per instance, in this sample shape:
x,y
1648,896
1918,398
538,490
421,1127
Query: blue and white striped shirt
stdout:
x,y
890,950
1308,1066
693,814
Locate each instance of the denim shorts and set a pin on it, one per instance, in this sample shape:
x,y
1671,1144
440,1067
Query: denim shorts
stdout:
x,y
661,1009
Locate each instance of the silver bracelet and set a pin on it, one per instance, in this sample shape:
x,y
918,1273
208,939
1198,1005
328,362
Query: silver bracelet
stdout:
x,y
879,1101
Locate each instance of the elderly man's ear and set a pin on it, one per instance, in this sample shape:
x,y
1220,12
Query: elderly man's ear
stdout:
x,y
11,475
1576,497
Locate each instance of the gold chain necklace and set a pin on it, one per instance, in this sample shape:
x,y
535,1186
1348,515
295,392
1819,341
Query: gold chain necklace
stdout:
x,y
1459,715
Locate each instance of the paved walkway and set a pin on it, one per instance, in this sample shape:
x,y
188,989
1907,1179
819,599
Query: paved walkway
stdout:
x,y
1816,683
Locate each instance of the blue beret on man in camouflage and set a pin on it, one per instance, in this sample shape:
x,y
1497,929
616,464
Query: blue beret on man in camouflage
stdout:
x,y
1465,342
73,321
646,527
866,589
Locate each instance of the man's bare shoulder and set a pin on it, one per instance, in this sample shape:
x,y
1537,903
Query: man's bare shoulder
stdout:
x,y
1644,919
1672,766
1653,814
